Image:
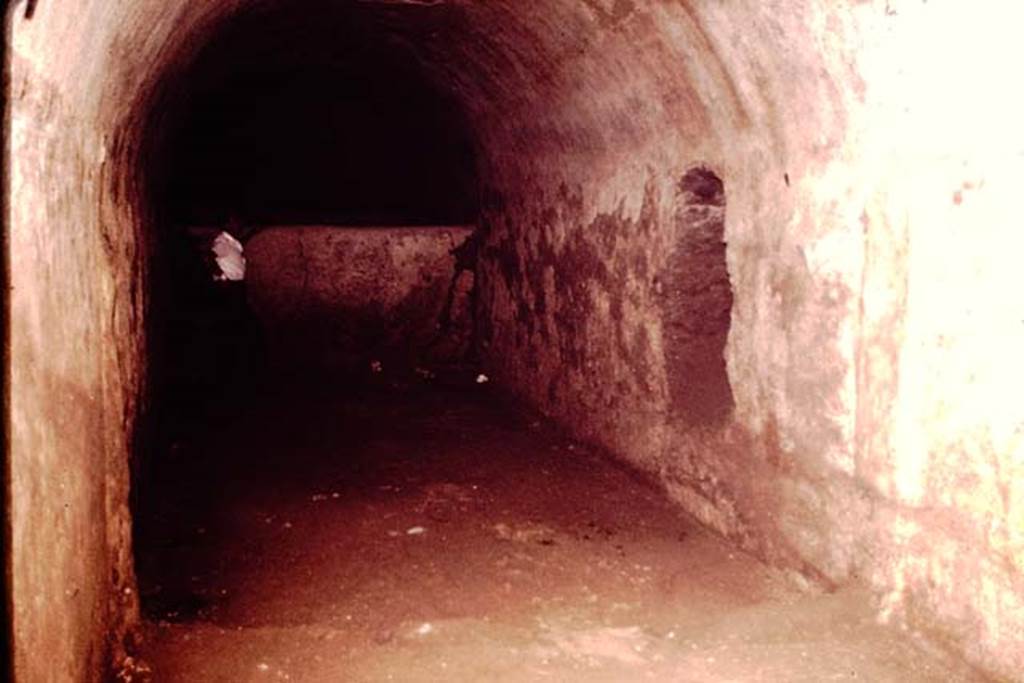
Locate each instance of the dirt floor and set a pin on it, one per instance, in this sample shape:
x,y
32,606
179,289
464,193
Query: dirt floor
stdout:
x,y
428,533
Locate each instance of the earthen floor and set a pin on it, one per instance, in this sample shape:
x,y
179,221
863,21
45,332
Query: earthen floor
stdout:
x,y
419,534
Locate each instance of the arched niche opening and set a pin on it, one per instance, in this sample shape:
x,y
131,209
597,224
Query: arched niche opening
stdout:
x,y
696,297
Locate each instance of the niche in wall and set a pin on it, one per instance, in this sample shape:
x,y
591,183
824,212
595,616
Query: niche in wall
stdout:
x,y
695,297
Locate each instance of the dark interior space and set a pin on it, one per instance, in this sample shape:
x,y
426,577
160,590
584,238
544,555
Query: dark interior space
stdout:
x,y
288,114
349,179
305,113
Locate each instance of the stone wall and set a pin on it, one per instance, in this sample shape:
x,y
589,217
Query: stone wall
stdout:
x,y
76,379
333,300
868,353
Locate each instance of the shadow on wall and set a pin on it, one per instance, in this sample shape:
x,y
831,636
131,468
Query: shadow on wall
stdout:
x,y
695,297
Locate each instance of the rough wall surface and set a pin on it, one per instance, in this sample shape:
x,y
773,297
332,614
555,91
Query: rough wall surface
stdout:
x,y
75,381
333,300
870,174
874,434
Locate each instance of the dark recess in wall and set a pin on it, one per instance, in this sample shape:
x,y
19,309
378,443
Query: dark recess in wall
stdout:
x,y
696,301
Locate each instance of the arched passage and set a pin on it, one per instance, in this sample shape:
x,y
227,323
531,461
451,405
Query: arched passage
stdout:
x,y
861,434
296,121
349,177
